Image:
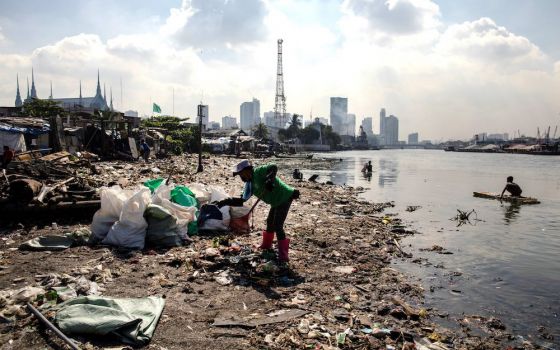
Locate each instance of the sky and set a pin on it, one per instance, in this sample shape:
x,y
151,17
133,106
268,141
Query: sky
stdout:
x,y
447,69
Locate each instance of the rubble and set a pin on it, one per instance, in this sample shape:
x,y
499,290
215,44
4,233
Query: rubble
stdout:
x,y
338,291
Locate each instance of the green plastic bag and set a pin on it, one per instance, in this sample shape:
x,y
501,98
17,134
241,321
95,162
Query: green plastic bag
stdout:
x,y
182,195
153,184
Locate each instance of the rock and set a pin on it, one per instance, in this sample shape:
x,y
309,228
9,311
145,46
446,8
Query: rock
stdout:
x,y
344,269
303,326
495,323
398,313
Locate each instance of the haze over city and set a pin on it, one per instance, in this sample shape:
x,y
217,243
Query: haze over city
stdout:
x,y
446,69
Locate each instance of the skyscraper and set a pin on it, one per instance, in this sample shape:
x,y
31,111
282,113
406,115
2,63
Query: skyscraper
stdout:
x,y
229,122
391,130
367,125
382,121
413,138
250,114
338,115
350,129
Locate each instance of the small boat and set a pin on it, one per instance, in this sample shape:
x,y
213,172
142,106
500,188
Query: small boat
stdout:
x,y
518,200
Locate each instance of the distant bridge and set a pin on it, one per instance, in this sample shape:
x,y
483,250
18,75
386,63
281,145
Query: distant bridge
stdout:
x,y
409,147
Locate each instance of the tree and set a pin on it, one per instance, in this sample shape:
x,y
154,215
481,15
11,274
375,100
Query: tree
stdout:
x,y
42,108
163,121
309,134
260,131
331,137
294,130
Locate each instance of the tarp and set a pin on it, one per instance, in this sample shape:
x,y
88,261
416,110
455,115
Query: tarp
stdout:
x,y
58,242
24,130
15,141
132,320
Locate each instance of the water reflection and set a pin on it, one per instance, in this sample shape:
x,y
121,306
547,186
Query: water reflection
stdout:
x,y
339,177
511,212
388,171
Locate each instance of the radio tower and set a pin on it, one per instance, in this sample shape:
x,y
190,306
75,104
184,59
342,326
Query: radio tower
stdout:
x,y
280,101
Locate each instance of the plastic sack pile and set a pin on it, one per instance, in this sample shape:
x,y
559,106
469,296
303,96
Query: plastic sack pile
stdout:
x,y
157,214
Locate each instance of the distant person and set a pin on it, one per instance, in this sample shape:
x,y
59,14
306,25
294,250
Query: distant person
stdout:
x,y
512,188
7,157
298,175
144,150
369,167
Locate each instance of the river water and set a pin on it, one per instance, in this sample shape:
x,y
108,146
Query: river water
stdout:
x,y
506,265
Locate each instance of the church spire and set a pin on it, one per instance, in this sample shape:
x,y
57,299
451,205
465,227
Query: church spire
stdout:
x,y
81,104
111,106
18,96
33,91
104,94
28,97
98,103
50,97
98,91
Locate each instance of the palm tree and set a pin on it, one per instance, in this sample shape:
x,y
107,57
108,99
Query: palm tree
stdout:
x,y
294,130
296,121
260,131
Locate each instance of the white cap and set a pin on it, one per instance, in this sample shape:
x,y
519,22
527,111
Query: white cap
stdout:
x,y
240,166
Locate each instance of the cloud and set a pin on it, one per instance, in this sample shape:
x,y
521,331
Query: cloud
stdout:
x,y
483,40
2,37
426,74
397,17
217,23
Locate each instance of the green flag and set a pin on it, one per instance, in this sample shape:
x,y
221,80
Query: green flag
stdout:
x,y
156,108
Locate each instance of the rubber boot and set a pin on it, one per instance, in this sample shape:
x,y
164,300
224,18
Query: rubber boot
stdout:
x,y
267,238
283,249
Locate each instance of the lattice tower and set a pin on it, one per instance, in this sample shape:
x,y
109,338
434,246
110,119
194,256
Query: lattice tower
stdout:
x,y
280,100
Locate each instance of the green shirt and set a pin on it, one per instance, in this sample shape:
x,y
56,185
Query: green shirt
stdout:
x,y
281,192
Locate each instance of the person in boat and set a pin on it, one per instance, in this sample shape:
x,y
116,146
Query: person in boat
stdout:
x,y
513,188
263,183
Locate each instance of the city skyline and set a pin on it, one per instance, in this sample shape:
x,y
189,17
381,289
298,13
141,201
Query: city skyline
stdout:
x,y
484,66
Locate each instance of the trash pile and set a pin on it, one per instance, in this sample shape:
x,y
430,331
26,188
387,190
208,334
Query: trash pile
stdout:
x,y
36,183
220,290
159,215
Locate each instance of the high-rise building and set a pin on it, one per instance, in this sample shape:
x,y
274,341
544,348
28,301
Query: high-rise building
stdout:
x,y
229,122
382,121
250,114
367,125
338,115
214,126
350,125
391,127
413,139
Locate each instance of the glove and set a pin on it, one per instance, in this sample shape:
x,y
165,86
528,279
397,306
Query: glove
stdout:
x,y
295,194
269,182
233,202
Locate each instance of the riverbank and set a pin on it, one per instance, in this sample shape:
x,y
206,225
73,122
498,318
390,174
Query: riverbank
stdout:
x,y
339,291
